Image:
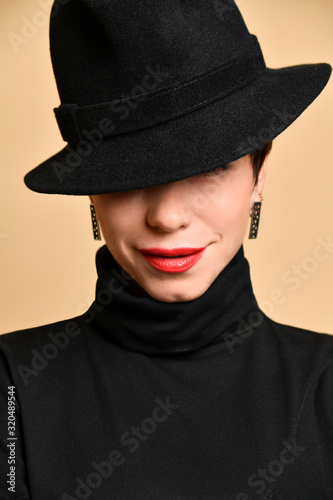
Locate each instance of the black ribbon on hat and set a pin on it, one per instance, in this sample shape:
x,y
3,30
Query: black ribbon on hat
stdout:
x,y
163,104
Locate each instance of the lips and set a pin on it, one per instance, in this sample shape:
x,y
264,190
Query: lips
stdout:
x,y
174,260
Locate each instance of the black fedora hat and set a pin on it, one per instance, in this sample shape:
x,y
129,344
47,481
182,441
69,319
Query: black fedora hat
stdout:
x,y
156,91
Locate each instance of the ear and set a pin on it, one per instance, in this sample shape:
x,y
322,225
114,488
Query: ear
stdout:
x,y
258,188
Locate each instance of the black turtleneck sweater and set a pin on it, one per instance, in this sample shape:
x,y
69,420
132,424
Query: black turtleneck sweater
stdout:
x,y
143,400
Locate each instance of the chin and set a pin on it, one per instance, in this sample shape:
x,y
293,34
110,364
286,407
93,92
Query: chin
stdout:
x,y
176,293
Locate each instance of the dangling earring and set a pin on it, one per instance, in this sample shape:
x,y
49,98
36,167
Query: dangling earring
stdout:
x,y
95,225
255,217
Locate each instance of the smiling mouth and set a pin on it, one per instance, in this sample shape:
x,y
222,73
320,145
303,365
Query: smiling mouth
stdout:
x,y
172,263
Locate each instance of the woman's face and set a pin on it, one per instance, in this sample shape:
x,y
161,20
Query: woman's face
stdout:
x,y
208,211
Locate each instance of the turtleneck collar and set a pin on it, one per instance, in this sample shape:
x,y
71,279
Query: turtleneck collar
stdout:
x,y
144,324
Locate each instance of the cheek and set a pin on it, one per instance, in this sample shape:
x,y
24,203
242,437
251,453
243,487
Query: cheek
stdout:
x,y
118,216
230,206
241,203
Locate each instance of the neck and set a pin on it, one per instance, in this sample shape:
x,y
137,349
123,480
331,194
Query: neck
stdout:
x,y
135,321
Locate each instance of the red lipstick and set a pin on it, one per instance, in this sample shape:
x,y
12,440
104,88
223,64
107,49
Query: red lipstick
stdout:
x,y
174,260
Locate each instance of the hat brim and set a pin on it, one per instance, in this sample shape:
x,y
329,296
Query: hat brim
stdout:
x,y
200,141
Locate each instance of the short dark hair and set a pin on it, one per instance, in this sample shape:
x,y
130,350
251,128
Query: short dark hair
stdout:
x,y
258,158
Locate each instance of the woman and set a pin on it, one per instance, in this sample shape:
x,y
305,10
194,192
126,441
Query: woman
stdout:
x,y
174,384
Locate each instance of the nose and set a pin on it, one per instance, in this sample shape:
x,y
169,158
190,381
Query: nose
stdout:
x,y
167,209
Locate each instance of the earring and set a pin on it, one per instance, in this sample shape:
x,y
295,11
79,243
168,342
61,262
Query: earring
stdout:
x,y
95,225
255,217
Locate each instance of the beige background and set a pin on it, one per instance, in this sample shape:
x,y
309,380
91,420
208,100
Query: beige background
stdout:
x,y
46,245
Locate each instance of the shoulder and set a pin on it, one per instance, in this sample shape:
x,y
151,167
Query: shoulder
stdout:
x,y
302,338
306,350
300,335
21,341
302,361
26,351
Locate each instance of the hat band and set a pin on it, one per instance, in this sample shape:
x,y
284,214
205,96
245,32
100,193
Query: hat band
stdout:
x,y
147,109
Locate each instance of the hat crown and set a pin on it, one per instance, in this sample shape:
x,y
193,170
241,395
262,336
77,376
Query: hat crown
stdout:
x,y
101,50
156,91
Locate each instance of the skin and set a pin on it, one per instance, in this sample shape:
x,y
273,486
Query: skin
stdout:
x,y
210,210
